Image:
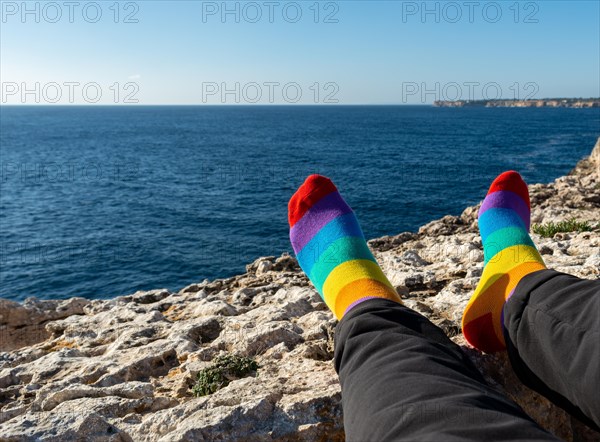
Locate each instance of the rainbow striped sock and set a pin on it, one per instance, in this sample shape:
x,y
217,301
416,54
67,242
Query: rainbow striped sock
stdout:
x,y
509,255
331,248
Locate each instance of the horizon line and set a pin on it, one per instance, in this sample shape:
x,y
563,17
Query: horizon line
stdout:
x,y
268,104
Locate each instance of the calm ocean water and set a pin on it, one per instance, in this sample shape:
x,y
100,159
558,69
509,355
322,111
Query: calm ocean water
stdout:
x,y
102,201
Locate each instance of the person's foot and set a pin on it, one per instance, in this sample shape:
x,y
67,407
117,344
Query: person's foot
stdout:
x,y
509,255
331,248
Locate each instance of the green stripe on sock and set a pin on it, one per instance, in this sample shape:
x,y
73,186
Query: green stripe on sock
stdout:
x,y
503,238
342,250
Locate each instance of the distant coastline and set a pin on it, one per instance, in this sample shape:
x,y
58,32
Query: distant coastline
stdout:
x,y
576,103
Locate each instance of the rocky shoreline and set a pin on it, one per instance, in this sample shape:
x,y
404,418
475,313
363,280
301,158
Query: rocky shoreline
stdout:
x,y
122,369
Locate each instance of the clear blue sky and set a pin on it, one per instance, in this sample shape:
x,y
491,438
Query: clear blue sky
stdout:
x,y
378,52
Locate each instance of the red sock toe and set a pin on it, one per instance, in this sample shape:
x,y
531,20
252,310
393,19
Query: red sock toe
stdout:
x,y
314,188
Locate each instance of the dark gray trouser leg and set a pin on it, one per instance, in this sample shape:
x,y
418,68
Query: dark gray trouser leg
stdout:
x,y
403,379
552,332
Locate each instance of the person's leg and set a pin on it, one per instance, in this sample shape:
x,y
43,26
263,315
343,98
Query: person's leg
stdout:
x,y
552,334
401,377
331,248
509,255
548,321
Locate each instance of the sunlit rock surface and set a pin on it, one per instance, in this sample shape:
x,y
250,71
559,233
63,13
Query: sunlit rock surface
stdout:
x,y
121,369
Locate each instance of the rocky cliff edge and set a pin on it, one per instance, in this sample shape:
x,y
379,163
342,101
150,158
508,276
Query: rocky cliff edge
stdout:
x,y
121,369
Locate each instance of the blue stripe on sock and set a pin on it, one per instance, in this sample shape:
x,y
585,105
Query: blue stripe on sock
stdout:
x,y
344,225
496,219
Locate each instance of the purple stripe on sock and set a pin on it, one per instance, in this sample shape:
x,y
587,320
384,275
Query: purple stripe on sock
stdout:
x,y
358,301
502,311
507,200
510,294
325,210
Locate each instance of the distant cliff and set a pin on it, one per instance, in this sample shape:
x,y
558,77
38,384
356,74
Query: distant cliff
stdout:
x,y
577,103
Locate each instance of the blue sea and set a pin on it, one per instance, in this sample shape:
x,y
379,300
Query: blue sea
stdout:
x,y
103,201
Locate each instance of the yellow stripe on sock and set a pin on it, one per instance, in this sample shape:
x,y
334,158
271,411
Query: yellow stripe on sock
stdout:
x,y
361,288
505,260
348,272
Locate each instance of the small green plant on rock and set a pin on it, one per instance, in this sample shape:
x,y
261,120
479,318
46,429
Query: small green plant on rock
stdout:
x,y
548,230
223,370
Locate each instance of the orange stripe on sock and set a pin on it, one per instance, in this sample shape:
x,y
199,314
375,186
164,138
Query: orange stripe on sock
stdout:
x,y
361,288
492,298
350,271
